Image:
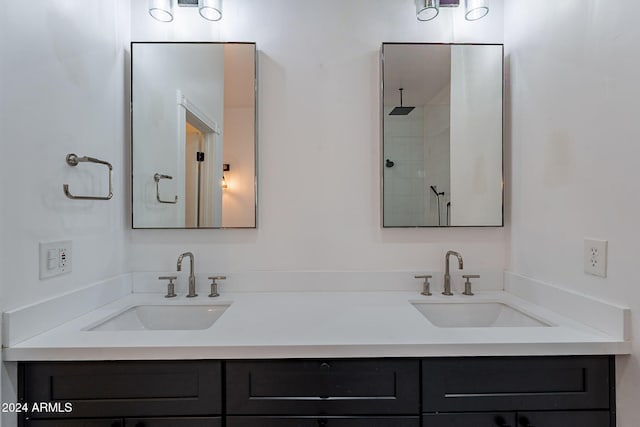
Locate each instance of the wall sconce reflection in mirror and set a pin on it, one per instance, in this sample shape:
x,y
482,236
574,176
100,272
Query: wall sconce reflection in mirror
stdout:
x,y
226,167
162,10
426,10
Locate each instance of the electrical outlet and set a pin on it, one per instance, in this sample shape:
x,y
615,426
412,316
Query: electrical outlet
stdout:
x,y
595,257
55,258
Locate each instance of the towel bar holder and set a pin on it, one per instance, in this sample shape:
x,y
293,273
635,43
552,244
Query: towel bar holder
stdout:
x,y
73,160
157,177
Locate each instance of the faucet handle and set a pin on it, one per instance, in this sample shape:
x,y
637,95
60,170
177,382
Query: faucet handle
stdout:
x,y
214,286
171,287
425,285
467,283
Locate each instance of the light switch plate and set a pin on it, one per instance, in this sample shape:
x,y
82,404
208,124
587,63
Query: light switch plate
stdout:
x,y
55,258
595,257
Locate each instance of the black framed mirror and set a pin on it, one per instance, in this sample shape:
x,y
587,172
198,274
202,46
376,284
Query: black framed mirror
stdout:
x,y
193,129
442,138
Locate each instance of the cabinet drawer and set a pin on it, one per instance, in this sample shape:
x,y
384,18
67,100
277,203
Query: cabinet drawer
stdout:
x,y
526,419
505,419
173,422
564,419
514,383
125,389
74,423
323,422
323,387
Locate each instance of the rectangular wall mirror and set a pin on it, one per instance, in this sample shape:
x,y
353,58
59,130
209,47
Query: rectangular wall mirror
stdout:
x,y
193,130
442,135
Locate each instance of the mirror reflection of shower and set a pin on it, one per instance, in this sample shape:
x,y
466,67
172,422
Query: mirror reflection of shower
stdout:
x,y
401,110
417,155
442,127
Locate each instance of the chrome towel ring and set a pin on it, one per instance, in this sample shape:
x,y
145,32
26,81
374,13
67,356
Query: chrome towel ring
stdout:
x,y
73,160
157,177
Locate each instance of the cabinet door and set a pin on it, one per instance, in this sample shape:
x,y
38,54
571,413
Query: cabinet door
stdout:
x,y
496,419
125,388
74,423
323,387
564,419
173,422
323,421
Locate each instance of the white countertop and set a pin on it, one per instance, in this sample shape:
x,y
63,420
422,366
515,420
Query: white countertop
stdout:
x,y
315,324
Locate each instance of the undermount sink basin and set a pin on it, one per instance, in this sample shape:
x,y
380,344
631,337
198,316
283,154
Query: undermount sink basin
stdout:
x,y
476,315
162,318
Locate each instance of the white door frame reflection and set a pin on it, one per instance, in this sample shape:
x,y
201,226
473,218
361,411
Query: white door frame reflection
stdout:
x,y
203,190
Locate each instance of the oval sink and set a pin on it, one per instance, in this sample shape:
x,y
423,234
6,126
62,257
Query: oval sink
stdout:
x,y
476,315
162,318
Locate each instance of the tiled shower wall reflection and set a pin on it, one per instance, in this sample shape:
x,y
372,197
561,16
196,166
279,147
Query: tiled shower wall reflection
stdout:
x,y
419,148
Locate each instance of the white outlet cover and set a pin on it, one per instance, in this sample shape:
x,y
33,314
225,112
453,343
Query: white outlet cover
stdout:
x,y
55,258
595,257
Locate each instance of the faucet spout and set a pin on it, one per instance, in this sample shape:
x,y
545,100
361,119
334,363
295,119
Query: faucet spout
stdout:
x,y
447,276
192,277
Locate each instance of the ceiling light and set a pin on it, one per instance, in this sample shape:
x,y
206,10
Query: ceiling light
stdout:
x,y
161,10
476,9
426,10
210,10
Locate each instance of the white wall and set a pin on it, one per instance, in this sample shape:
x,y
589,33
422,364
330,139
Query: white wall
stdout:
x,y
63,85
319,159
476,135
574,107
238,200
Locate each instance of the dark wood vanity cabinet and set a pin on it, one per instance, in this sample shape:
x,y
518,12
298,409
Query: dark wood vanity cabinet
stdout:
x,y
564,419
123,393
129,422
73,423
173,422
271,421
518,392
520,419
323,393
323,387
430,392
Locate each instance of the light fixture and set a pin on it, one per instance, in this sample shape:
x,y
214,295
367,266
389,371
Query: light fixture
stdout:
x,y
226,167
210,10
426,10
162,10
476,9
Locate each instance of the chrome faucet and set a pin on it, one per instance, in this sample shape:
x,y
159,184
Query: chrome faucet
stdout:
x,y
192,277
447,276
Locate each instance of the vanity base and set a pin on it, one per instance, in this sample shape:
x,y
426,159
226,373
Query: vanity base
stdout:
x,y
429,392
